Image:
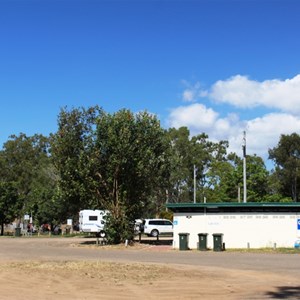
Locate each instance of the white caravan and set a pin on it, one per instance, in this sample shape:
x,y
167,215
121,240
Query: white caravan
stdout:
x,y
92,221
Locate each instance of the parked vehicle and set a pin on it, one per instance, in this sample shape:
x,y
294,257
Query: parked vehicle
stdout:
x,y
138,226
56,230
155,227
92,221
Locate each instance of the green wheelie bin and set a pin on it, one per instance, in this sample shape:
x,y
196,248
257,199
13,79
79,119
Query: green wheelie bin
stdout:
x,y
218,241
183,241
18,231
202,245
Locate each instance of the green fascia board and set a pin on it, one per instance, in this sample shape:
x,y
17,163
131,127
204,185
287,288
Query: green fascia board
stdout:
x,y
183,207
235,204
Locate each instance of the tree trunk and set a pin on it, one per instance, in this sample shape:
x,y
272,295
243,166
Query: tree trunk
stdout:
x,y
2,228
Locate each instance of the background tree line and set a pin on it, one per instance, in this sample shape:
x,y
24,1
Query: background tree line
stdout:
x,y
128,164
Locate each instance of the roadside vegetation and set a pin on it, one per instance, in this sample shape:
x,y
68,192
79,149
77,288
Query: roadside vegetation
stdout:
x,y
128,164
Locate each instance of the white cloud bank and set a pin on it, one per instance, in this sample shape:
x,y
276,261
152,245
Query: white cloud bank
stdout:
x,y
281,97
242,92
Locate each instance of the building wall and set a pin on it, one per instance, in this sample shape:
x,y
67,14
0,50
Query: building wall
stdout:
x,y
240,230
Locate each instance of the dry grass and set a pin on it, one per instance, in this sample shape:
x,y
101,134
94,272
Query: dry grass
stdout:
x,y
104,271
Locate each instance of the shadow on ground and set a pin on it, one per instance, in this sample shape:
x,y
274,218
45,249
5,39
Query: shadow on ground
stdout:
x,y
285,292
160,241
93,240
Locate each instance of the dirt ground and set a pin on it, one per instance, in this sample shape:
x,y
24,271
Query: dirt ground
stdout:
x,y
59,277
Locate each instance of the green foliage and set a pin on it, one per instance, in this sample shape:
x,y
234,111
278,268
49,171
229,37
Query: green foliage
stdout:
x,y
119,229
129,162
166,215
286,157
189,153
115,162
222,182
72,155
257,179
23,159
9,204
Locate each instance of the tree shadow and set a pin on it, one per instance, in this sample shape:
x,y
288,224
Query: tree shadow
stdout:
x,y
285,292
93,240
166,241
145,240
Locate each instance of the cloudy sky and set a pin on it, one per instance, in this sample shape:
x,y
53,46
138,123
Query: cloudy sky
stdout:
x,y
273,106
217,66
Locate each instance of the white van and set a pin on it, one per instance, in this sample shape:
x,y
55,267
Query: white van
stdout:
x,y
155,227
92,221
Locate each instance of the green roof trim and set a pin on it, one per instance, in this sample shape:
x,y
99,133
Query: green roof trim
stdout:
x,y
235,207
234,204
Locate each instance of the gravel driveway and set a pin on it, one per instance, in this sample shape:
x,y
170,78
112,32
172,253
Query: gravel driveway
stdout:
x,y
15,249
75,268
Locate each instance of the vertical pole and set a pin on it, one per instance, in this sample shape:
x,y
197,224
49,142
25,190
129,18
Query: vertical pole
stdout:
x,y
296,184
167,199
295,194
295,154
194,184
244,167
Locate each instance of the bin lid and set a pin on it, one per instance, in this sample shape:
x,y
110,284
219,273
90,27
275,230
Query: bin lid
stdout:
x,y
183,233
217,233
202,233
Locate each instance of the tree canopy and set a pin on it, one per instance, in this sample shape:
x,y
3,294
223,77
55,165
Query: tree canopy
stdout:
x,y
286,156
126,163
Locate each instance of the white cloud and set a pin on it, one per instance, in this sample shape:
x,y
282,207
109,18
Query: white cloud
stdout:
x,y
242,92
188,95
195,116
192,92
198,118
262,132
280,97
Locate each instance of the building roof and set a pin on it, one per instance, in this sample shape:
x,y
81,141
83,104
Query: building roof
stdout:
x,y
235,207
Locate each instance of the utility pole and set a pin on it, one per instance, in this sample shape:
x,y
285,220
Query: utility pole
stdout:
x,y
194,184
244,167
296,155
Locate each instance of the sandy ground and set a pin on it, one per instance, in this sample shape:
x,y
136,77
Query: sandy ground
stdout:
x,y
63,278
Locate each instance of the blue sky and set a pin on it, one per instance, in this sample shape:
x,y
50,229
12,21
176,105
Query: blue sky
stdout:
x,y
218,66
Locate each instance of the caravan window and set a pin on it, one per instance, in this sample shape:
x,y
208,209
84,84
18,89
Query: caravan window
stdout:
x,y
93,218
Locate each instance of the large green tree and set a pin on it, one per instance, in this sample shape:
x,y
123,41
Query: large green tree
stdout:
x,y
9,204
181,167
224,179
117,162
23,158
286,156
72,154
130,165
206,156
191,160
257,179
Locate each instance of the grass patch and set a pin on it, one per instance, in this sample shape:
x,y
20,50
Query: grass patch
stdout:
x,y
266,250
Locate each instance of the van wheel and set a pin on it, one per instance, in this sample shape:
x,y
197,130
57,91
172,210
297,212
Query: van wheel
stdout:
x,y
154,233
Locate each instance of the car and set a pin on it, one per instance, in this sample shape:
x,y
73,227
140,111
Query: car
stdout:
x,y
155,227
